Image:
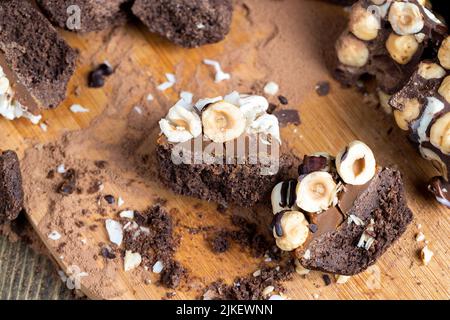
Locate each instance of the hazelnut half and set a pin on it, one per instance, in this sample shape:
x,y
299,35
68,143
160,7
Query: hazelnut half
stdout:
x,y
356,163
401,48
316,191
180,124
223,121
405,18
351,51
410,112
295,231
363,24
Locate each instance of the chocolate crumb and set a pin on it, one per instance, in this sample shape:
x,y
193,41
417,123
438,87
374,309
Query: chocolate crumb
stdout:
x,y
271,108
326,279
96,77
220,243
283,100
323,88
107,253
101,164
313,228
110,199
172,275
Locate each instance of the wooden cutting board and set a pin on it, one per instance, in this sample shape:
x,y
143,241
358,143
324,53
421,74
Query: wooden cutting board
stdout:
x,y
328,123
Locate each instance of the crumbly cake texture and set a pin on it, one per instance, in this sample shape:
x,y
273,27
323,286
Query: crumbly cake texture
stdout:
x,y
96,15
383,46
225,184
27,39
188,23
384,202
11,193
422,109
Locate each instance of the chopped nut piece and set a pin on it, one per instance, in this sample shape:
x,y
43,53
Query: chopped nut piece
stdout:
x,y
364,24
410,112
340,279
444,89
429,70
223,121
426,255
440,133
420,237
295,231
405,18
444,53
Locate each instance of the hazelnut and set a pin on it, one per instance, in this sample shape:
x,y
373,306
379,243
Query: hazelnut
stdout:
x,y
363,24
444,89
444,53
405,18
222,122
426,255
316,191
401,48
295,231
440,133
435,160
378,2
430,70
351,51
410,112
356,163
283,196
384,98
181,124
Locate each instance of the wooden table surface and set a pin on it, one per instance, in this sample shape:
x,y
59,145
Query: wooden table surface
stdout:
x,y
328,123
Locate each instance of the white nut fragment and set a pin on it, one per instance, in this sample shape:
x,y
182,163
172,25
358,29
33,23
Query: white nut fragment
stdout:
x,y
268,125
131,260
429,70
181,124
426,255
352,52
271,88
363,24
295,231
405,18
444,53
340,279
432,108
378,2
401,48
316,191
410,112
444,89
301,270
115,232
384,101
440,133
223,121
356,163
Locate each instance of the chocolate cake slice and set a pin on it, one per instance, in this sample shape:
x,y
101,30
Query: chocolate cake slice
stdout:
x,y
214,150
188,23
35,62
11,193
86,15
341,214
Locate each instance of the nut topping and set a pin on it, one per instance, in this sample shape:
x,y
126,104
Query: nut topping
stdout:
x,y
181,125
356,163
410,112
316,191
435,160
440,133
295,231
401,48
444,89
283,196
352,52
363,24
405,18
429,70
444,53
223,121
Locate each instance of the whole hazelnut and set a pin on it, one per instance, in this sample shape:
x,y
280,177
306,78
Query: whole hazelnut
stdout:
x,y
351,51
401,48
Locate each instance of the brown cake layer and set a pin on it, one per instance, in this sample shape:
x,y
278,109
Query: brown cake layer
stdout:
x,y
95,15
38,61
240,184
383,202
188,23
11,193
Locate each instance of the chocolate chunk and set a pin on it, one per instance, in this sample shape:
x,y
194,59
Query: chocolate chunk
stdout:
x,y
67,187
287,116
95,15
96,77
323,88
312,163
107,253
326,279
188,23
313,227
36,60
110,199
11,193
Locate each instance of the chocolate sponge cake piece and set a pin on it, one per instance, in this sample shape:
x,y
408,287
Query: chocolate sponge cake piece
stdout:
x,y
37,62
95,15
188,23
11,193
383,210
